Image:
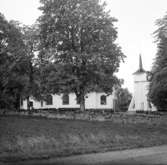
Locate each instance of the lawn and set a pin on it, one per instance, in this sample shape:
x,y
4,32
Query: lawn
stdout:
x,y
35,137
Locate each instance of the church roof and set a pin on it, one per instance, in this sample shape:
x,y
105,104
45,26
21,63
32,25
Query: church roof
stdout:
x,y
140,70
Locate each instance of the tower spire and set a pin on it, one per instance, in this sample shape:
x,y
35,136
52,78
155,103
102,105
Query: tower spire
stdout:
x,y
140,70
140,63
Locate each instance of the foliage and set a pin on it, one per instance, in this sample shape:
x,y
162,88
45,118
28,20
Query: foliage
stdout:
x,y
30,39
12,64
77,47
17,63
124,97
158,87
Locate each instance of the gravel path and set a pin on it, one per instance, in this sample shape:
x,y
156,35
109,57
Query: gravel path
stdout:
x,y
144,156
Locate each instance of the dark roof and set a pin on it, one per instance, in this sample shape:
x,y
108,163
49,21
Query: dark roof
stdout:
x,y
139,71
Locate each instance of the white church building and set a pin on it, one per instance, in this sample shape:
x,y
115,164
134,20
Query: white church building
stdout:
x,y
100,100
93,100
139,100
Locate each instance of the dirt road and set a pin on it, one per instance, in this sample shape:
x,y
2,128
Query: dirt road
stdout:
x,y
143,156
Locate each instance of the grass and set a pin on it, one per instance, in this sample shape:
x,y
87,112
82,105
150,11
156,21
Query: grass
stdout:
x,y
34,137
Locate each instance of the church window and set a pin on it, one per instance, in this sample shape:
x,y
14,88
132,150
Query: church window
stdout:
x,y
49,100
103,100
31,103
65,99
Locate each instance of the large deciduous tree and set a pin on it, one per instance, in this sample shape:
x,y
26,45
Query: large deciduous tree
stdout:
x,y
19,75
158,85
77,42
32,85
12,62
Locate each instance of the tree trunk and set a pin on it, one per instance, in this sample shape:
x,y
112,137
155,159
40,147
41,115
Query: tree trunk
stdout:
x,y
82,102
115,105
28,104
17,102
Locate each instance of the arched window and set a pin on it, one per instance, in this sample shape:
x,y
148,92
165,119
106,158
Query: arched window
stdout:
x,y
31,103
103,100
65,99
49,100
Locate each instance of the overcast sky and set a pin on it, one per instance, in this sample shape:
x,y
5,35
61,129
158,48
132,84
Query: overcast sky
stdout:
x,y
136,23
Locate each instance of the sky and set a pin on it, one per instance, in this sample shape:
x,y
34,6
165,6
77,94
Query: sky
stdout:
x,y
135,26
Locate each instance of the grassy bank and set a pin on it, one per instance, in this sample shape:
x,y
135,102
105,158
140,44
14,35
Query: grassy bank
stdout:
x,y
34,137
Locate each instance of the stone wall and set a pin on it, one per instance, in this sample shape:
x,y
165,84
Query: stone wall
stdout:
x,y
91,115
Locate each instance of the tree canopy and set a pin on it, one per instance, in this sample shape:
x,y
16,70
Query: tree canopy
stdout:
x,y
32,85
16,63
77,44
158,85
12,62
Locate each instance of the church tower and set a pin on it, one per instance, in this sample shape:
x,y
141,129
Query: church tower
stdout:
x,y
139,100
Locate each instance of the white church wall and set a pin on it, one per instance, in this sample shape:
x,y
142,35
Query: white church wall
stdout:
x,y
109,101
140,77
72,102
140,93
54,105
92,101
35,103
24,105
